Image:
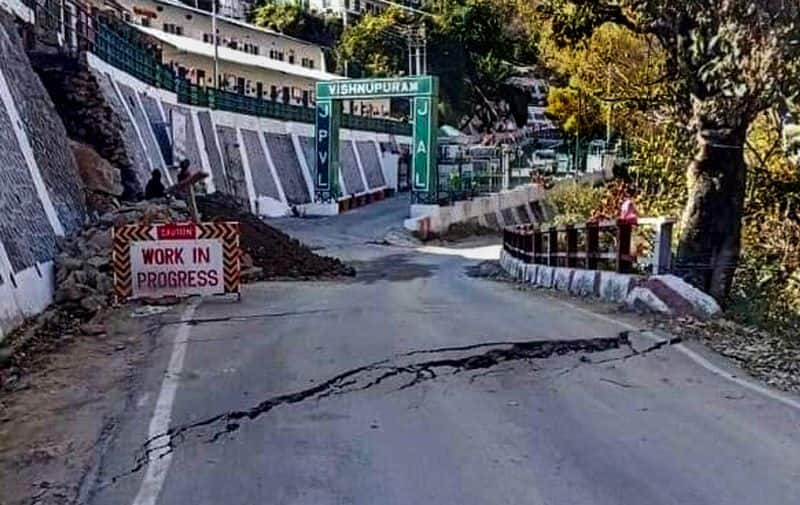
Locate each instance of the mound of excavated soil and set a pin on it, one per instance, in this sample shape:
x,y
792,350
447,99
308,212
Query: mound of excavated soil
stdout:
x,y
276,254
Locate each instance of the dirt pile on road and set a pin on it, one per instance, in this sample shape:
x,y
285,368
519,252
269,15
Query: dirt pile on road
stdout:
x,y
268,252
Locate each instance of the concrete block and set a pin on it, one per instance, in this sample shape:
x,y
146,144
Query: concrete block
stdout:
x,y
490,218
562,278
522,214
615,287
544,276
531,277
643,299
703,305
508,217
584,283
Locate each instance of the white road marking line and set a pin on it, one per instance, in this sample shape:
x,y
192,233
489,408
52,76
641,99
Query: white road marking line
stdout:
x,y
790,402
696,358
159,461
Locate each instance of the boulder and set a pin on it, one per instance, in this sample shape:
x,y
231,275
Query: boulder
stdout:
x,y
100,240
96,172
71,292
642,299
94,303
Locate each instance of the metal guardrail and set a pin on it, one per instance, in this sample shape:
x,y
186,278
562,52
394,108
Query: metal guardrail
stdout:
x,y
594,245
123,47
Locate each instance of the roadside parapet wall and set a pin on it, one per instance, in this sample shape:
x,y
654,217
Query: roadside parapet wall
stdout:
x,y
663,294
521,205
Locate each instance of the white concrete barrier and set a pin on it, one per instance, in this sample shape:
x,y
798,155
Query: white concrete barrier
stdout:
x,y
663,294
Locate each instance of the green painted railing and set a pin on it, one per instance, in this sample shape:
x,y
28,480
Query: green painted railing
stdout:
x,y
120,46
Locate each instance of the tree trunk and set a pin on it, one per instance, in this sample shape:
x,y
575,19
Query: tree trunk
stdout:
x,y
709,246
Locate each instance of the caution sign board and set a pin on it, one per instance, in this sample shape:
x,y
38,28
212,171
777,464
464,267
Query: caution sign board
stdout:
x,y
176,259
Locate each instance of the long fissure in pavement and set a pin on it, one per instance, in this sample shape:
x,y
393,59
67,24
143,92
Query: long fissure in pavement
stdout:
x,y
407,373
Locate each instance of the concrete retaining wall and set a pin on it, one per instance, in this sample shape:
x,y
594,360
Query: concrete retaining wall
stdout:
x,y
41,196
521,205
273,174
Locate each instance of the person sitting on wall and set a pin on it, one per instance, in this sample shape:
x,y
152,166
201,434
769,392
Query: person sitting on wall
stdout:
x,y
154,188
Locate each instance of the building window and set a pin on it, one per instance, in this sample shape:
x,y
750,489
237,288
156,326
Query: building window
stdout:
x,y
291,57
305,97
260,89
173,28
208,38
145,21
286,97
273,92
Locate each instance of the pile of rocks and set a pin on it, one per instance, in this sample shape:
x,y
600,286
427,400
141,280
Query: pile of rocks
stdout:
x,y
84,277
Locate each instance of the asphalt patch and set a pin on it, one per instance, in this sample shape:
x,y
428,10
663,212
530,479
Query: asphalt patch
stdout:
x,y
393,268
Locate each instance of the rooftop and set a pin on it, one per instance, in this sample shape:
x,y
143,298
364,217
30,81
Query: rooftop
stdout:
x,y
201,48
180,5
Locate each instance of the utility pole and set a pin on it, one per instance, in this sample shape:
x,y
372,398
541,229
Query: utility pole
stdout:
x,y
417,50
215,35
608,111
344,29
578,133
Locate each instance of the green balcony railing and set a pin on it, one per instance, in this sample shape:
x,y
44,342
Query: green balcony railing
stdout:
x,y
119,45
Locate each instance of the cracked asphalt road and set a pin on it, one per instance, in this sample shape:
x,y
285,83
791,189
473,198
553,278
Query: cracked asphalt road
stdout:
x,y
415,383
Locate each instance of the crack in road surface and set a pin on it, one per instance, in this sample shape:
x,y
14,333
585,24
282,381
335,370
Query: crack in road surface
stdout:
x,y
410,374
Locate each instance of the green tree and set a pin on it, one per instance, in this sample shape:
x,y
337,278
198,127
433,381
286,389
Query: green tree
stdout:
x,y
373,44
728,60
472,46
574,111
294,21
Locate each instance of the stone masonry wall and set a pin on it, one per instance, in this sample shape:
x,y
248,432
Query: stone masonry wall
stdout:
x,y
44,130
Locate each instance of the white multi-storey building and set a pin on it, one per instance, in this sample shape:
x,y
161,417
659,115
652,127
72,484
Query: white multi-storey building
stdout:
x,y
251,61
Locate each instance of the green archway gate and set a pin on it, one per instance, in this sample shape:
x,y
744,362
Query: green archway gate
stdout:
x,y
423,92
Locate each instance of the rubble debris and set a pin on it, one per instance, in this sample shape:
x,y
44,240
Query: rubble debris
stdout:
x,y
84,286
84,277
277,255
96,172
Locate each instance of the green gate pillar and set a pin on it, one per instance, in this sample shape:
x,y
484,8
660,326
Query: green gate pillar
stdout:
x,y
326,176
424,150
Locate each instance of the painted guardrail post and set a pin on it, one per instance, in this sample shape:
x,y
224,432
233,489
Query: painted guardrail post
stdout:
x,y
572,246
552,246
624,233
